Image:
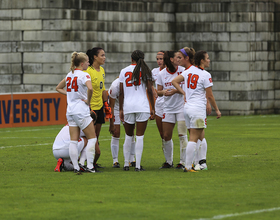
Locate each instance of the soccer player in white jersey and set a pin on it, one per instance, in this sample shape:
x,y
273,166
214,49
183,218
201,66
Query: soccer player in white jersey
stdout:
x,y
198,88
134,104
186,60
79,91
61,149
172,109
114,128
159,99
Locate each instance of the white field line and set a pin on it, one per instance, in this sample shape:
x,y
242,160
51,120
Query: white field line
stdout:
x,y
240,214
32,145
28,145
37,129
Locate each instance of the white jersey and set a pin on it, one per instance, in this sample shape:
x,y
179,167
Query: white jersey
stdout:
x,y
77,92
160,99
135,97
62,139
196,81
174,103
114,92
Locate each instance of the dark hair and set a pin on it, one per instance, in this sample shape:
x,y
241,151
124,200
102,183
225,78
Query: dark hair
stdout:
x,y
190,52
166,58
142,67
93,52
161,52
199,55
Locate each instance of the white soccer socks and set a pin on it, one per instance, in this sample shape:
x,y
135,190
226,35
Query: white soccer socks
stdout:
x,y
191,147
90,151
83,157
202,153
132,151
74,154
183,146
139,150
127,149
168,145
115,149
198,148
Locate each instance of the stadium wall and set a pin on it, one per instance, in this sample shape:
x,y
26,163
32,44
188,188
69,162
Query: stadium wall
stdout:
x,y
241,37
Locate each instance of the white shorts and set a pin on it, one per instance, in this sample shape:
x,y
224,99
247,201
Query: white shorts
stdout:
x,y
131,118
173,117
79,121
159,109
64,151
195,118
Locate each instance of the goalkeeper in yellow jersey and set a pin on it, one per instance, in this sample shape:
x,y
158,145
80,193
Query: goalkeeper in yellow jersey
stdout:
x,y
98,101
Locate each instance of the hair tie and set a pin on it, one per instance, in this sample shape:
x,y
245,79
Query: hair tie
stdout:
x,y
184,52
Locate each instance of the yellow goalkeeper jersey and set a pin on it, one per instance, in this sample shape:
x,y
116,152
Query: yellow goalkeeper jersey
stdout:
x,y
98,85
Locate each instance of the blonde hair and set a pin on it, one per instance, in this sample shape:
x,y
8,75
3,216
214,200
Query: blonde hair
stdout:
x,y
77,59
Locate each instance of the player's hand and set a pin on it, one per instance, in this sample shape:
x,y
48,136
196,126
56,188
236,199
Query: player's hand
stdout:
x,y
112,129
208,109
219,114
152,117
121,116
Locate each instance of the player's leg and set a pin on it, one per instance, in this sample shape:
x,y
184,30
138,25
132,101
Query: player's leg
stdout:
x,y
73,146
141,125
129,125
183,137
115,146
168,127
90,148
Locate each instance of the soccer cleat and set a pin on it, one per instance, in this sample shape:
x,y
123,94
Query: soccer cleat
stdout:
x,y
138,170
190,171
96,170
180,166
92,170
116,165
86,170
126,168
78,172
165,165
59,165
96,165
199,167
132,164
82,167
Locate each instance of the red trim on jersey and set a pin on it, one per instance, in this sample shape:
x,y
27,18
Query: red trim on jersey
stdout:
x,y
199,67
188,67
134,64
170,72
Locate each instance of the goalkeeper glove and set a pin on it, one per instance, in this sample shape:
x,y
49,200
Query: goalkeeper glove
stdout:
x,y
107,109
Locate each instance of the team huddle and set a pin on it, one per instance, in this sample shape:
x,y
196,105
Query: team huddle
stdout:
x,y
178,91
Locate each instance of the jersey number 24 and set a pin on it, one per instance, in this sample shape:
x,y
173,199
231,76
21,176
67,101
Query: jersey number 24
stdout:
x,y
71,84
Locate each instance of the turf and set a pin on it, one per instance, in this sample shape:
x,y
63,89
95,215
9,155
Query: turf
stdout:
x,y
242,181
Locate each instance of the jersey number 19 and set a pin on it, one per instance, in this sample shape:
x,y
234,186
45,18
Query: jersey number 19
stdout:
x,y
192,80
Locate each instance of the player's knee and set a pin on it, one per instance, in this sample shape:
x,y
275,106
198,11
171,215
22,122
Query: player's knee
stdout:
x,y
182,128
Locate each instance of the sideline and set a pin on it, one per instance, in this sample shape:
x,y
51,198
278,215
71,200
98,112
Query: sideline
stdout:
x,y
240,214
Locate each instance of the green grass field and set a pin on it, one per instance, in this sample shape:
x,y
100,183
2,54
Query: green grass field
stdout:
x,y
242,181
